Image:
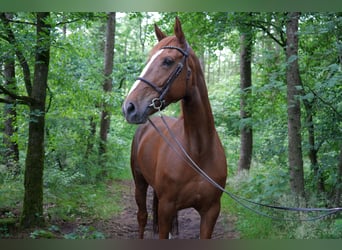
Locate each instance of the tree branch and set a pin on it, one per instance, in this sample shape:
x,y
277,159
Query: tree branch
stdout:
x,y
281,41
21,22
2,100
79,19
325,102
264,26
22,99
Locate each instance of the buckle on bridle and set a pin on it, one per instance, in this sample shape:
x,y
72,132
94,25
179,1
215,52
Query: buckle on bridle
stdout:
x,y
157,104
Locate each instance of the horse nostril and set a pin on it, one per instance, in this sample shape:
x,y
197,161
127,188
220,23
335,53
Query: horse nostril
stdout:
x,y
130,108
132,114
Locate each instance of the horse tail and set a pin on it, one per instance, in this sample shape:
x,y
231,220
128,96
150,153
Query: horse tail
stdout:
x,y
174,226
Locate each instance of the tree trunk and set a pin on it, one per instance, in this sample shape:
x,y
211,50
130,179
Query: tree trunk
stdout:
x,y
10,114
91,137
313,150
107,85
293,106
338,195
32,214
246,132
207,65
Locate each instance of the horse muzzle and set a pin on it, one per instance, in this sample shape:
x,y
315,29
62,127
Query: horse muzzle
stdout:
x,y
133,114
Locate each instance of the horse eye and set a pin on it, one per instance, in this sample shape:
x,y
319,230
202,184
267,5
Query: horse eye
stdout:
x,y
168,61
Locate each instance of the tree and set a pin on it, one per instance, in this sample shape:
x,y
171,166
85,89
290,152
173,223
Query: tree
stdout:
x,y
320,95
246,132
32,213
10,114
338,194
272,25
293,106
107,85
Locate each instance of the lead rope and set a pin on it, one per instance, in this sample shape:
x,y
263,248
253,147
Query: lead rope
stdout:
x,y
240,200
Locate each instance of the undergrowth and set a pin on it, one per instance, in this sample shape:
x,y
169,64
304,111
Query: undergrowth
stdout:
x,y
271,187
69,196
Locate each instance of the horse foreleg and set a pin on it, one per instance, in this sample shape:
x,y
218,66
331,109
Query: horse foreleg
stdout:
x,y
208,221
140,198
166,213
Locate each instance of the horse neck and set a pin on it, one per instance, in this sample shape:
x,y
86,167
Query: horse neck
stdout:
x,y
198,118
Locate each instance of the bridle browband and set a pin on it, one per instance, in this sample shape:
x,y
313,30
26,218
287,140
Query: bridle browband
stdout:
x,y
158,102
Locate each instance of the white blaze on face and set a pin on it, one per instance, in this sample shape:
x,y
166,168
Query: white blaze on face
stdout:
x,y
136,83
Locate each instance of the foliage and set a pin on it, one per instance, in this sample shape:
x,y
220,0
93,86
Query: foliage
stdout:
x,y
72,201
84,232
41,234
73,185
11,191
272,190
81,233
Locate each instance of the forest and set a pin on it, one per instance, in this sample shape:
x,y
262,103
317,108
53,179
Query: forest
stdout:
x,y
275,86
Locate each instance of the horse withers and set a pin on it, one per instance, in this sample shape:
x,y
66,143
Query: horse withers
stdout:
x,y
173,73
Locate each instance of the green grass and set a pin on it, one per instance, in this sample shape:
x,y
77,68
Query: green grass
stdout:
x,y
248,224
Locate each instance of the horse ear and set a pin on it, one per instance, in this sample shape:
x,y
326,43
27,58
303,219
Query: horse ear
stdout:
x,y
178,31
160,35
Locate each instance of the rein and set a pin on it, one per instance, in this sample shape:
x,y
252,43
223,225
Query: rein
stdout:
x,y
240,200
158,104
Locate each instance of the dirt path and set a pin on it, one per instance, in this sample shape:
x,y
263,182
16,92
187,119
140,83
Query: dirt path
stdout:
x,y
125,226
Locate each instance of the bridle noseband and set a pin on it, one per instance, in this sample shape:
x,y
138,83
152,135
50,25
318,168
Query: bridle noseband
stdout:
x,y
159,102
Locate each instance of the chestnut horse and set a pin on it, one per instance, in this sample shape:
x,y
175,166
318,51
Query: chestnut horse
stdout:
x,y
173,73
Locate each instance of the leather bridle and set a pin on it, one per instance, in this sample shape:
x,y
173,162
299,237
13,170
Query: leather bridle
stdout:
x,y
158,103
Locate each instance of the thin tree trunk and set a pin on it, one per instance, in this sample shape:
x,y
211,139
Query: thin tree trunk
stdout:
x,y
293,106
338,196
91,137
107,85
10,114
32,214
313,150
246,132
208,66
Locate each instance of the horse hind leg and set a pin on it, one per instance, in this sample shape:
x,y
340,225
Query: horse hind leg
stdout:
x,y
174,226
140,197
155,213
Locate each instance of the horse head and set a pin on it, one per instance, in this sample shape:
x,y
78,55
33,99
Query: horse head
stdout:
x,y
164,79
